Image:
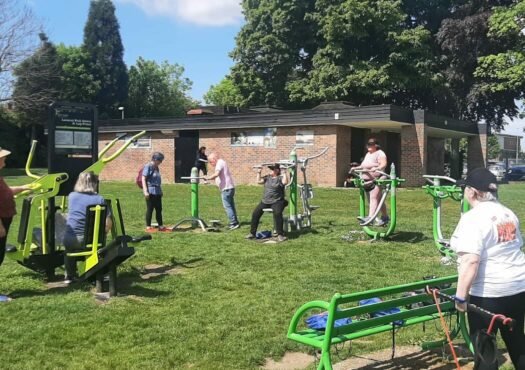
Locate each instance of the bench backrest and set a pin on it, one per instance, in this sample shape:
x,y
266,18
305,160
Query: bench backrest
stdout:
x,y
95,226
416,306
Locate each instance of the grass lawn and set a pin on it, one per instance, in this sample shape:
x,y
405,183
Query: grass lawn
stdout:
x,y
227,302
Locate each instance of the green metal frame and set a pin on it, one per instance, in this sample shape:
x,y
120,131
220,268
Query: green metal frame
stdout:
x,y
44,188
338,308
439,192
390,184
195,220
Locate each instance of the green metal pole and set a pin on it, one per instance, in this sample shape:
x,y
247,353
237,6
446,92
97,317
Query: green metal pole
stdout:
x,y
293,191
194,192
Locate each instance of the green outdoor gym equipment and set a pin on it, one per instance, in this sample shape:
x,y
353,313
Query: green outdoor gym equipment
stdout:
x,y
297,220
195,220
439,191
388,184
35,248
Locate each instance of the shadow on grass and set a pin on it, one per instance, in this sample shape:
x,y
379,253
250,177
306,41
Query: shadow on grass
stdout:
x,y
409,237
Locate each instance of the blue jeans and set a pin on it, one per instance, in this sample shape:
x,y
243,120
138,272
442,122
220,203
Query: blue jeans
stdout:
x,y
228,203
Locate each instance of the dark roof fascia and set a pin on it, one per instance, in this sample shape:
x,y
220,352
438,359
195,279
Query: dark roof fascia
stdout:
x,y
452,124
261,120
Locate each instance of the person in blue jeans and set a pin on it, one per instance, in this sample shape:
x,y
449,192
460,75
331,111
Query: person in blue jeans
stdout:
x,y
224,180
84,195
151,186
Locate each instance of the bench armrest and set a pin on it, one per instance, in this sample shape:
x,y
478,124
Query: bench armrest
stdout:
x,y
302,310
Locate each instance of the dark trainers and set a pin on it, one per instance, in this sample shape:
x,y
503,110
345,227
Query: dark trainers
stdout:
x,y
281,238
234,226
249,236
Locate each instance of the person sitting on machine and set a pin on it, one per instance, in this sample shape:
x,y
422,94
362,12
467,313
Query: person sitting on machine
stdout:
x,y
274,185
83,196
375,160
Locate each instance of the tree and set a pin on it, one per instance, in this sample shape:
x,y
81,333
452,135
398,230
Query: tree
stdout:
x,y
158,90
493,148
103,44
275,43
504,72
224,94
77,76
17,42
37,84
429,54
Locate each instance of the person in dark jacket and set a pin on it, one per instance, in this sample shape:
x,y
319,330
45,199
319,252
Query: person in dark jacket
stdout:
x,y
201,160
273,197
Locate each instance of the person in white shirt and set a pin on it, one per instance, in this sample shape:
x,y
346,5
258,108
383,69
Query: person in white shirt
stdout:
x,y
224,180
491,267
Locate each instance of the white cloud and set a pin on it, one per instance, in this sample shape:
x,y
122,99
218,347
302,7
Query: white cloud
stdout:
x,y
201,12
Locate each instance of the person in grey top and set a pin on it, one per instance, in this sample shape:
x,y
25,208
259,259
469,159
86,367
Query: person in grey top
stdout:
x,y
273,197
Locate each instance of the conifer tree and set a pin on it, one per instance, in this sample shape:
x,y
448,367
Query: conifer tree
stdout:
x,y
103,43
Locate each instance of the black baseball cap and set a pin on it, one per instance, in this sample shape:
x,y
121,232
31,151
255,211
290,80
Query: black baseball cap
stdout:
x,y
275,166
480,179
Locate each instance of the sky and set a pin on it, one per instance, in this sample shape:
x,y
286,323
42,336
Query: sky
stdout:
x,y
197,34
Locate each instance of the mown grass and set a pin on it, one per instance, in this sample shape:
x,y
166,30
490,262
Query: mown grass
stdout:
x,y
229,302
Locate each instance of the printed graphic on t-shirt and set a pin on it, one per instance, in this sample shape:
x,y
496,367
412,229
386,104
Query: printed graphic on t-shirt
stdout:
x,y
506,232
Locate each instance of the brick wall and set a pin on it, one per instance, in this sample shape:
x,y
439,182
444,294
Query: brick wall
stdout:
x,y
126,166
436,156
321,171
477,149
413,154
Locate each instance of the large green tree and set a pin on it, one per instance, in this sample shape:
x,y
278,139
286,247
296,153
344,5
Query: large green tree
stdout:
x,y
431,54
224,94
103,44
158,90
504,72
37,84
275,44
77,76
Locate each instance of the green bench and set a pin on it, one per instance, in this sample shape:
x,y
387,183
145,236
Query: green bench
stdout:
x,y
414,309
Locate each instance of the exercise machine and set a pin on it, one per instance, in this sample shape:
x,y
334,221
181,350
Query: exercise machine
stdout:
x,y
194,219
388,184
36,246
297,220
440,188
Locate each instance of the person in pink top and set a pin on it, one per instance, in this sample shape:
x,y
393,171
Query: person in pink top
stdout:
x,y
224,180
375,159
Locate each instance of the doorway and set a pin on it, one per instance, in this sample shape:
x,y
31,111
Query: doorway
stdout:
x,y
186,146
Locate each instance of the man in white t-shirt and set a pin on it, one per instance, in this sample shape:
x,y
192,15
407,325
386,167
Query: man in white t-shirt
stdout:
x,y
224,180
491,267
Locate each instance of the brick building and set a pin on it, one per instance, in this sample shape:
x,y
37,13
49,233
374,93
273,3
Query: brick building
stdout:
x,y
413,140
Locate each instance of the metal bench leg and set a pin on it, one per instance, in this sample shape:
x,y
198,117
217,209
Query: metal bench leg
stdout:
x,y
100,282
112,280
325,363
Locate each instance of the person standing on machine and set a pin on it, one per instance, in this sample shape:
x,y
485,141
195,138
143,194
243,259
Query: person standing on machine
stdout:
x,y
491,271
273,197
151,186
7,209
200,161
375,160
224,180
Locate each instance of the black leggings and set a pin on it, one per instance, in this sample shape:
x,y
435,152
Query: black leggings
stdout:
x,y
511,306
6,222
277,208
154,202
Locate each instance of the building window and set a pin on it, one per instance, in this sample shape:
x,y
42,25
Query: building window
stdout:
x,y
266,138
142,143
304,138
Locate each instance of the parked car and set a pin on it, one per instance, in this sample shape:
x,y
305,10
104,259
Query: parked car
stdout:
x,y
516,173
497,170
